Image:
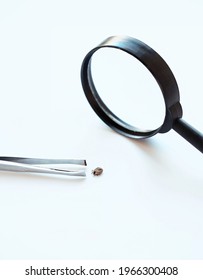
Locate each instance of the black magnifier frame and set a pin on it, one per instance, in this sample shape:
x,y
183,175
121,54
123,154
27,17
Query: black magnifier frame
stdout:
x,y
165,79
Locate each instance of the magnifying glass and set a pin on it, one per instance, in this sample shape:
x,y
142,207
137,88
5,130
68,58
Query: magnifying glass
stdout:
x,y
165,106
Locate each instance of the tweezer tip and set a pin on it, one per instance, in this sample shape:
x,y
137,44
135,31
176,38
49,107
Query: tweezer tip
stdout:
x,y
85,162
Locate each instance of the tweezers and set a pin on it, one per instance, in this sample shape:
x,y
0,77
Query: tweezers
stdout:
x,y
35,165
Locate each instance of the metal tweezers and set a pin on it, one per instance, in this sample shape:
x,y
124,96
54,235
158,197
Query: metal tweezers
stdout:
x,y
22,164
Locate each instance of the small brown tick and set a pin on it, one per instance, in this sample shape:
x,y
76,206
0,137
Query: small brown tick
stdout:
x,y
97,171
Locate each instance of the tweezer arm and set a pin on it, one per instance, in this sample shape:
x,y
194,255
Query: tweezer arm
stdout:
x,y
20,167
18,164
44,161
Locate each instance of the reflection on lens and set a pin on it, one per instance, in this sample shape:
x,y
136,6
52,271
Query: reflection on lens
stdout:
x,y
128,89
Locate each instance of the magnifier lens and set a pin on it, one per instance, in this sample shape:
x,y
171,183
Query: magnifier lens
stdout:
x,y
128,89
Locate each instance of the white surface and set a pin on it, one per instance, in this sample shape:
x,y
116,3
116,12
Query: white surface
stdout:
x,y
148,202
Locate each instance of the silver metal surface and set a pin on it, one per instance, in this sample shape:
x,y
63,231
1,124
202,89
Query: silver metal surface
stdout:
x,y
34,165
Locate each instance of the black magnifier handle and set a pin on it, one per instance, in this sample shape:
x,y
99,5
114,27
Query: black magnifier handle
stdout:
x,y
192,135
165,79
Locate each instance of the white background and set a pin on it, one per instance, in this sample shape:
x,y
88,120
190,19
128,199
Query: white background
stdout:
x,y
148,202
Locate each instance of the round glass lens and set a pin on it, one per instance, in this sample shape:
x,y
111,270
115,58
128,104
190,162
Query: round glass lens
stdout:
x,y
128,89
